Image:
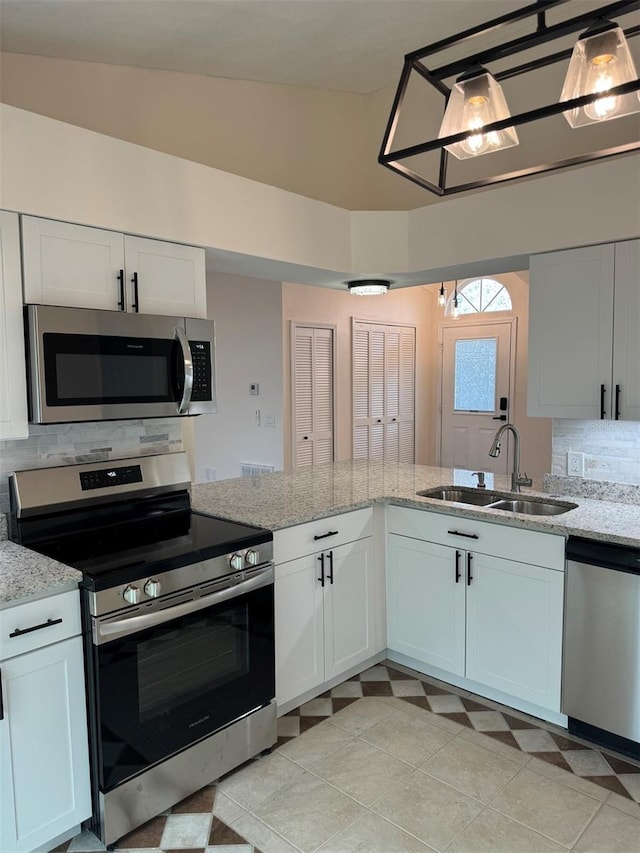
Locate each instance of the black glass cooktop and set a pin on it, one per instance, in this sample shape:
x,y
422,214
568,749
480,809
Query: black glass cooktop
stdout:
x,y
133,539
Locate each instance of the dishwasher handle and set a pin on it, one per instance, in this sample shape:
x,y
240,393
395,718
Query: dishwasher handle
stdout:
x,y
607,555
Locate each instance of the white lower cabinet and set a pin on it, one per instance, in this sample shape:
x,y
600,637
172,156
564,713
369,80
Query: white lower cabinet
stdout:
x,y
326,606
44,764
493,620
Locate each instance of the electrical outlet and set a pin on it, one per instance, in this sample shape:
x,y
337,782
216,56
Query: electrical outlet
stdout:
x,y
210,473
575,464
254,389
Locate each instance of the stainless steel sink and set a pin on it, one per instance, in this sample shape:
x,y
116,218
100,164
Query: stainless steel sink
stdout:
x,y
462,495
529,507
497,500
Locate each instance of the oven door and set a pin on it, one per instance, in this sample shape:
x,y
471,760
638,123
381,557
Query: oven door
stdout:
x,y
199,665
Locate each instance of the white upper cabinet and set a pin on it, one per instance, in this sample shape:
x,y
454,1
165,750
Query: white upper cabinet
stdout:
x,y
82,267
13,392
584,309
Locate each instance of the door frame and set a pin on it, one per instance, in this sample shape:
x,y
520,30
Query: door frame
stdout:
x,y
483,320
298,324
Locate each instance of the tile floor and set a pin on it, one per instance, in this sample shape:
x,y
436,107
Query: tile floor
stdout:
x,y
394,762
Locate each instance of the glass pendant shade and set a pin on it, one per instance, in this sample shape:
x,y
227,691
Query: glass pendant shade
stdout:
x,y
369,287
600,60
442,296
476,100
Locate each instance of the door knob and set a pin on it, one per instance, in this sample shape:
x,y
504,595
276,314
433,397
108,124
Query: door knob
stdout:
x,y
499,418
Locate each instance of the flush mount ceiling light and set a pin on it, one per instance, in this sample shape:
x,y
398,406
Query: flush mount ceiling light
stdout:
x,y
369,286
601,84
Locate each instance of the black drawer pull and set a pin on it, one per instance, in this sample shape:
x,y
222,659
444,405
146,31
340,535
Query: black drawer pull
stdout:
x,y
330,574
20,631
458,555
469,575
466,535
321,578
325,535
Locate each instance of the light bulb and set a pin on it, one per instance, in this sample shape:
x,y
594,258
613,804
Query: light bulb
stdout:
x,y
442,296
600,79
455,313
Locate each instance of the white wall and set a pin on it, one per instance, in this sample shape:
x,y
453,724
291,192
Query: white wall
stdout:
x,y
248,325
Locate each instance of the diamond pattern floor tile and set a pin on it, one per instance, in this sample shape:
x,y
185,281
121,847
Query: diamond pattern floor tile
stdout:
x,y
192,825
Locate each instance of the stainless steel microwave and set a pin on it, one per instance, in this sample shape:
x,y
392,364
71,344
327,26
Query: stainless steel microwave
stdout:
x,y
89,365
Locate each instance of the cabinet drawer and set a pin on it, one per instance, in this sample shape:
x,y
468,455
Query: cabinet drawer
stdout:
x,y
498,540
62,610
322,534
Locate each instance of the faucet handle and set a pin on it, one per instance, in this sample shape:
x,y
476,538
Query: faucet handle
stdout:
x,y
523,480
480,476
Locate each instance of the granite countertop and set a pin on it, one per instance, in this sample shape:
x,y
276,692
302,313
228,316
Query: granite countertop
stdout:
x,y
25,575
284,499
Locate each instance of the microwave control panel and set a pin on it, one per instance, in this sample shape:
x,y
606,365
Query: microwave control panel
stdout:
x,y
201,359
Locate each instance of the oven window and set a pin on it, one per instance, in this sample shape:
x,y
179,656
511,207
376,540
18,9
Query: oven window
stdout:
x,y
178,666
162,689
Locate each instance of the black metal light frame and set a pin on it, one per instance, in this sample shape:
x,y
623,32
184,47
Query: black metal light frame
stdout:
x,y
542,34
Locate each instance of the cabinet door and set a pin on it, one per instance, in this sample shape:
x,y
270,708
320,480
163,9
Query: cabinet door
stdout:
x,y
426,602
570,332
46,761
170,278
514,629
13,391
299,627
350,606
626,340
71,265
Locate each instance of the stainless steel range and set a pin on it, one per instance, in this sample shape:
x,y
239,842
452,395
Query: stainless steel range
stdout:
x,y
179,628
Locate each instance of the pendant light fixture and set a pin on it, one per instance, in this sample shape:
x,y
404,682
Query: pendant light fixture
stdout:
x,y
442,295
601,59
476,100
455,313
467,71
369,286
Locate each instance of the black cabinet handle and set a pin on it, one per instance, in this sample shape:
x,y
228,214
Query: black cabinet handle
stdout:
x,y
603,391
1,702
458,555
121,303
466,535
325,535
469,576
617,402
20,631
134,304
321,578
330,574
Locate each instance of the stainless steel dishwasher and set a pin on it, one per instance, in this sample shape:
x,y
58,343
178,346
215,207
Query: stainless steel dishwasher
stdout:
x,y
601,671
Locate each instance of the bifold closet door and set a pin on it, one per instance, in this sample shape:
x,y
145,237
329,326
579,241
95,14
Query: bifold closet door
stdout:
x,y
312,395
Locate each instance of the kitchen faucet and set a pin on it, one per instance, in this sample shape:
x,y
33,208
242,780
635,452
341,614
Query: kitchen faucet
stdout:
x,y
517,479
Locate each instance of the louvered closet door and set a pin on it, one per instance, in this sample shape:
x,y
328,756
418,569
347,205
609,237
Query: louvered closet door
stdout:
x,y
383,392
312,396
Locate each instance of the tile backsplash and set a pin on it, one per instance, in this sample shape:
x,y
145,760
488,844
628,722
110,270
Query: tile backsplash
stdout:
x,y
69,444
611,449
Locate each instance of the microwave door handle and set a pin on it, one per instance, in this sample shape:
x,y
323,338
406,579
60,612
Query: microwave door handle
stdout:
x,y
187,390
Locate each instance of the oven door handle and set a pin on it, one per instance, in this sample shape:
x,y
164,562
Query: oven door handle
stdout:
x,y
123,626
187,389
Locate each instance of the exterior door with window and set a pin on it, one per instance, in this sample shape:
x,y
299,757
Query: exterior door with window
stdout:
x,y
312,394
476,394
383,392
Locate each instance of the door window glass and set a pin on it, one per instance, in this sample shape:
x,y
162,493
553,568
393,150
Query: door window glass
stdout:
x,y
483,295
475,375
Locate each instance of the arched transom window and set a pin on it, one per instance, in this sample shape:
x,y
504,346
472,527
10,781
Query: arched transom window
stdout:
x,y
482,295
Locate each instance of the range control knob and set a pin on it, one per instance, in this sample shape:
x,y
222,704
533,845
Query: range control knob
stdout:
x,y
252,557
131,594
152,588
236,562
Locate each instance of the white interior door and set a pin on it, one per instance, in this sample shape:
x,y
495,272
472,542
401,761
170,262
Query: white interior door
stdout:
x,y
312,392
383,392
476,394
